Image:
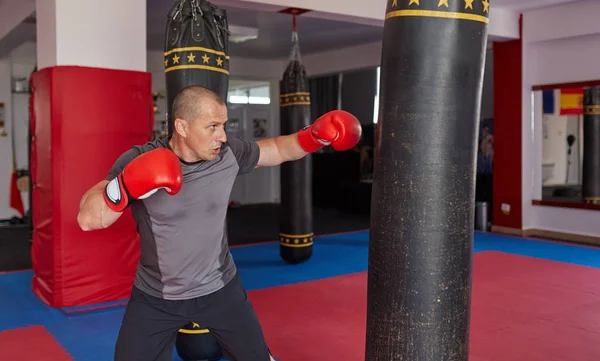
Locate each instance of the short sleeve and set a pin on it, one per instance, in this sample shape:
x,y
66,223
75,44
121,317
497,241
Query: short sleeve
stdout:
x,y
246,154
122,161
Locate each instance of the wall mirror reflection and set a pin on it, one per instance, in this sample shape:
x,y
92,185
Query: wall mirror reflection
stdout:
x,y
569,117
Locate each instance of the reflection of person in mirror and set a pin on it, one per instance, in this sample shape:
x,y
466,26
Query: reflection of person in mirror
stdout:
x,y
486,151
366,160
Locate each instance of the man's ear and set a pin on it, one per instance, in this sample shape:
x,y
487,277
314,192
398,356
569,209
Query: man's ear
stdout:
x,y
181,127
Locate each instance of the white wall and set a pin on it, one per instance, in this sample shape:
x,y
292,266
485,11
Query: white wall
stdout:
x,y
122,37
560,44
563,60
6,141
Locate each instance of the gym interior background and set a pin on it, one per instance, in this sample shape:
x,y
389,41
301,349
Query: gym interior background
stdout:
x,y
259,48
342,61
541,56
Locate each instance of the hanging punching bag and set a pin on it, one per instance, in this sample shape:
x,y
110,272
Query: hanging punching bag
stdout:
x,y
296,224
422,215
195,344
196,48
591,145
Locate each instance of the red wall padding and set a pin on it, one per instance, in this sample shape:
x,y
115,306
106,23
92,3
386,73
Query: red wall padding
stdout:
x,y
508,130
82,120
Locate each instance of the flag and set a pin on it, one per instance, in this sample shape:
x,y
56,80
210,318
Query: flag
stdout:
x,y
571,101
548,101
16,202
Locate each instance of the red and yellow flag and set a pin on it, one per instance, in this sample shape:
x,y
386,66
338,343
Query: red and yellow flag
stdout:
x,y
571,101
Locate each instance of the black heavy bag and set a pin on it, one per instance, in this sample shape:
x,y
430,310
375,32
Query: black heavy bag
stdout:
x,y
591,145
296,224
196,48
196,344
421,235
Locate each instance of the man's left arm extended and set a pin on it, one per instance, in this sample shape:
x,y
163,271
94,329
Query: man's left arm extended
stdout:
x,y
337,128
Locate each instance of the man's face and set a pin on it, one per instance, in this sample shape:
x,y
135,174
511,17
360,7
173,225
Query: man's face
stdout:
x,y
207,134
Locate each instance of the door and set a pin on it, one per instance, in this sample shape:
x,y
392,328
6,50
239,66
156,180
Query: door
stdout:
x,y
251,122
234,129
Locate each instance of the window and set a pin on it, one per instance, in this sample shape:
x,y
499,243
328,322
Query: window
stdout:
x,y
250,95
376,100
259,95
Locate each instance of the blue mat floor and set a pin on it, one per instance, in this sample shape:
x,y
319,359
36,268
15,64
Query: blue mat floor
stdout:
x,y
91,336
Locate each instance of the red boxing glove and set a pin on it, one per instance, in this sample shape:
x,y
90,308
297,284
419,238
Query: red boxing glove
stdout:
x,y
142,177
337,128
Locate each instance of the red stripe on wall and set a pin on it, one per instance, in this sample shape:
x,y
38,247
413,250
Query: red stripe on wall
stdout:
x,y
577,91
566,85
507,171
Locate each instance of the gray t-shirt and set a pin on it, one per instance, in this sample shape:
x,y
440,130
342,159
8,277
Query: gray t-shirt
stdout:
x,y
183,238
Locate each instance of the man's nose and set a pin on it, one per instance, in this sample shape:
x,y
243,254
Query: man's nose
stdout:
x,y
222,137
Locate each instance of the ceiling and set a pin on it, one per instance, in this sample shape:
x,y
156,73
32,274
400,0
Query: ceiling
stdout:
x,y
522,5
274,39
275,31
315,35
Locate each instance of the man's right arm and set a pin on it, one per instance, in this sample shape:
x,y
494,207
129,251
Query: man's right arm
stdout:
x,y
134,176
94,213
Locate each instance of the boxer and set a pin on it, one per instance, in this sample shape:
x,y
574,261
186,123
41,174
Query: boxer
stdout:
x,y
178,191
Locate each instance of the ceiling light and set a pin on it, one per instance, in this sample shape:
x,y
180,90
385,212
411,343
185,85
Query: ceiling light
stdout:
x,y
239,34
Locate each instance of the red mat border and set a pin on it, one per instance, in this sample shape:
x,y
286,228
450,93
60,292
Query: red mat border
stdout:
x,y
16,345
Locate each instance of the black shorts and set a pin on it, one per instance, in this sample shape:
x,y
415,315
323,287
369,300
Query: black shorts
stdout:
x,y
151,324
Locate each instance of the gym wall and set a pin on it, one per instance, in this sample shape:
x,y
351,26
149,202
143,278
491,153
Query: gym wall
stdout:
x,y
561,51
358,58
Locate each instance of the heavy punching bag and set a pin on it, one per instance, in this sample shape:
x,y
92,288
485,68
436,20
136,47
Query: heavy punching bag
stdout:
x,y
296,223
196,48
422,211
591,145
196,344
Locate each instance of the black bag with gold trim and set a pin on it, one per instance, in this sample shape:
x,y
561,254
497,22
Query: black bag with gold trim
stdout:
x,y
196,50
296,218
591,145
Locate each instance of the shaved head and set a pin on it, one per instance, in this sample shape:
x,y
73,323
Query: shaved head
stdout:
x,y
199,117
191,102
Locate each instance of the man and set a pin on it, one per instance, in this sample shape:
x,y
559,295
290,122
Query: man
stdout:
x,y
178,190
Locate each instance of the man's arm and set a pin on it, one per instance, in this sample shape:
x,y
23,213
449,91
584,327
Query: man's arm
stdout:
x,y
134,176
94,213
274,151
337,128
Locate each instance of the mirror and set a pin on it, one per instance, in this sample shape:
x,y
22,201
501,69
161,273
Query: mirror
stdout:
x,y
569,139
